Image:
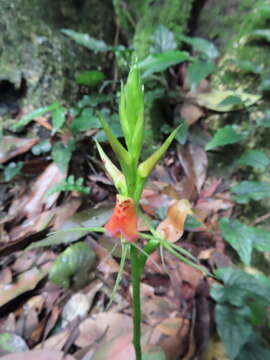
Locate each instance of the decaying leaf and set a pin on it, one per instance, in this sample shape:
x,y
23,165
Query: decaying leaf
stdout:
x,y
173,226
12,146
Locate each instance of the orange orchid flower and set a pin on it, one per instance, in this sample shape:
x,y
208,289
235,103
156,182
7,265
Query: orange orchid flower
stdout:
x,y
124,219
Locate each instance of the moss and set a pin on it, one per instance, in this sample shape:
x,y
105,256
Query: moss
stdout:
x,y
33,46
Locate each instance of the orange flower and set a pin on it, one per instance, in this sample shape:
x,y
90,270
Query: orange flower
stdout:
x,y
124,219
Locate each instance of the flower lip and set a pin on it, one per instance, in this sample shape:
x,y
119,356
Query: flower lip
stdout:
x,y
124,219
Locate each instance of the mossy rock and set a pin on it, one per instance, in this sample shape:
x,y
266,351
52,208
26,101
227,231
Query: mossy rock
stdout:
x,y
33,47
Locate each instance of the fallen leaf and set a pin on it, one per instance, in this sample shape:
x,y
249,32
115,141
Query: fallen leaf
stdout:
x,y
37,197
12,146
103,327
10,343
44,354
173,226
191,112
26,281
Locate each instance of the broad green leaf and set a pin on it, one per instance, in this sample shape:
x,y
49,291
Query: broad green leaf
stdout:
x,y
162,40
243,237
87,41
12,169
227,135
58,119
215,98
160,62
87,120
197,71
239,287
255,158
34,114
250,190
192,223
41,147
254,349
90,78
265,85
202,46
232,101
233,328
238,236
115,174
61,154
73,265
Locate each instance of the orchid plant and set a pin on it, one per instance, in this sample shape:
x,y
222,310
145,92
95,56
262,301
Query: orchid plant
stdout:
x,y
129,181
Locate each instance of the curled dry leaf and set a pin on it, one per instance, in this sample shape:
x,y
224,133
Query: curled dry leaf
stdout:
x,y
191,112
12,146
173,226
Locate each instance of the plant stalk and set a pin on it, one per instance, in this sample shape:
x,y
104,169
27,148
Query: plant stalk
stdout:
x,y
136,270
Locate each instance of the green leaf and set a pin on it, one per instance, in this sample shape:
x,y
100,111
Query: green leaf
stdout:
x,y
160,62
263,34
157,354
248,66
255,158
233,328
215,98
242,237
87,41
225,136
76,227
254,349
41,147
231,101
162,40
202,46
69,185
90,78
115,174
192,223
250,190
58,119
34,114
239,287
122,155
61,154
146,167
182,134
238,236
87,120
73,265
12,169
197,71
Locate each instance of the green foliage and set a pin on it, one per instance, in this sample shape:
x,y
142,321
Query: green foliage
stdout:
x,y
61,154
229,134
69,184
255,158
58,119
12,169
87,41
244,238
250,190
34,114
162,40
159,62
197,71
235,309
90,78
86,120
73,265
203,47
43,146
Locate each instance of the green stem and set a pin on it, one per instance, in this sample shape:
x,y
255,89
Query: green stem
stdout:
x,y
136,270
